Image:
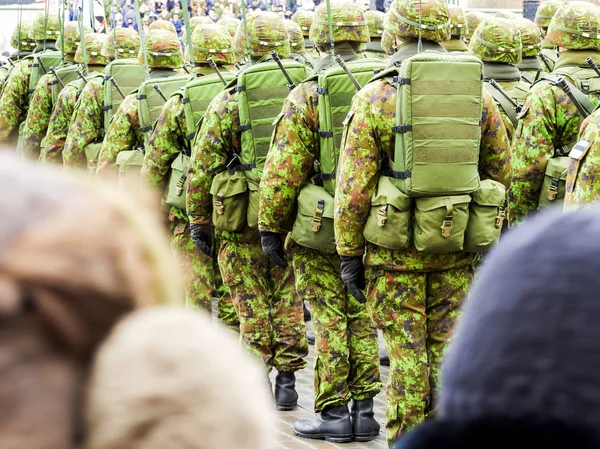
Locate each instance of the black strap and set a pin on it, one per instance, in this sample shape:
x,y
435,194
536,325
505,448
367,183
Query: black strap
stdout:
x,y
322,91
245,128
145,129
53,82
241,167
325,134
402,129
191,136
141,96
185,100
400,81
240,88
396,174
107,107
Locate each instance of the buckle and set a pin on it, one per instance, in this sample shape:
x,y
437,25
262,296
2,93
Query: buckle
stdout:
x,y
447,227
553,189
219,208
382,216
179,186
318,216
500,217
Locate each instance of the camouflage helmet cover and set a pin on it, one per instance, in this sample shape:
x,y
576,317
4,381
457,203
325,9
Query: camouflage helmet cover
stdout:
x,y
474,18
26,43
575,26
71,36
404,19
506,15
230,23
545,12
200,20
161,24
375,23
266,32
127,43
93,50
496,40
212,41
458,22
305,19
531,37
39,24
163,50
348,22
295,35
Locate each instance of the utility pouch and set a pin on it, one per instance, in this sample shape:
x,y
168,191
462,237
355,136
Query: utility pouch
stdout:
x,y
389,224
92,152
555,179
440,223
129,165
313,227
253,198
177,187
229,192
486,216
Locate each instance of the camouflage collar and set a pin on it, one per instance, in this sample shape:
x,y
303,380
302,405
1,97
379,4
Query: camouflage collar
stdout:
x,y
455,45
531,63
347,55
547,44
411,49
500,72
576,57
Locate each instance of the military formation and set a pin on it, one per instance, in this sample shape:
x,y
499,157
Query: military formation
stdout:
x,y
360,162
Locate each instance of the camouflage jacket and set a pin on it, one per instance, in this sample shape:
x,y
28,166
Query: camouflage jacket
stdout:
x,y
38,117
14,100
369,138
549,120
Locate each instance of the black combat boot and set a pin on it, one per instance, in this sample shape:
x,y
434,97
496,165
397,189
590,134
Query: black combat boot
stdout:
x,y
364,425
310,337
332,424
286,397
306,312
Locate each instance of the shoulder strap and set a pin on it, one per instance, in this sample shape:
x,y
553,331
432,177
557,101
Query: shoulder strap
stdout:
x,y
587,104
503,102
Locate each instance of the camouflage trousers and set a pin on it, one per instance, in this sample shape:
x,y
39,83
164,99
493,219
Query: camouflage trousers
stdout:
x,y
268,307
201,275
417,312
346,361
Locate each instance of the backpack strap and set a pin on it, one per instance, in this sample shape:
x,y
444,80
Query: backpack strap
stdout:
x,y
585,101
528,78
503,102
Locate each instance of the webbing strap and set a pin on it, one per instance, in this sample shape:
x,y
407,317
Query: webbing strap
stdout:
x,y
145,129
396,174
260,94
503,102
446,88
107,107
402,129
241,167
141,96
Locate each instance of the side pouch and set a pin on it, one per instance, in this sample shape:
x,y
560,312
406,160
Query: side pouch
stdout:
x,y
175,194
555,179
486,215
389,224
253,198
313,227
230,201
440,223
92,151
129,165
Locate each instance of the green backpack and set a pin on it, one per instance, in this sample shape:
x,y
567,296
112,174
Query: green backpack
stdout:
x,y
40,65
262,89
195,96
66,74
313,226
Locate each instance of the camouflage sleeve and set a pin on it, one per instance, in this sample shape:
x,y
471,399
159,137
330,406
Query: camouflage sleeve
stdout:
x,y
548,121
165,143
13,102
495,145
86,125
122,135
38,117
585,174
358,169
290,159
59,124
217,137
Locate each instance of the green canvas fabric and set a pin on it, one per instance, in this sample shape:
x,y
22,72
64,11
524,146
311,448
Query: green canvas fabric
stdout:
x,y
128,74
40,64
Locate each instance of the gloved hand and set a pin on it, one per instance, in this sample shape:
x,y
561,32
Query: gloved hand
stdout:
x,y
272,245
353,275
202,237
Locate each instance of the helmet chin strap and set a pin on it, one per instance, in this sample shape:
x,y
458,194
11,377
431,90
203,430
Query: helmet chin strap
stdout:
x,y
420,44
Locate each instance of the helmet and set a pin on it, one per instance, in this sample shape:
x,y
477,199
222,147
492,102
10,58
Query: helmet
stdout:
x,y
304,18
545,12
212,41
71,36
200,20
93,48
375,23
295,35
387,43
474,18
348,21
435,19
230,23
162,50
531,37
266,32
26,43
458,22
161,24
506,15
52,28
496,40
127,43
575,26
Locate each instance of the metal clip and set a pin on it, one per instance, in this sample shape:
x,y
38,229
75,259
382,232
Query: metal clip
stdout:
x,y
447,227
179,189
318,216
382,216
219,205
500,217
553,189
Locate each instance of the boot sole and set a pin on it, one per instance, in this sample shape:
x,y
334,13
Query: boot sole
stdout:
x,y
285,407
363,438
330,438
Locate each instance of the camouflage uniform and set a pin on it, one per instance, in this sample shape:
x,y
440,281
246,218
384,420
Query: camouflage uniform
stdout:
x,y
298,49
531,66
346,350
543,17
413,297
166,143
26,47
374,49
268,307
549,119
460,29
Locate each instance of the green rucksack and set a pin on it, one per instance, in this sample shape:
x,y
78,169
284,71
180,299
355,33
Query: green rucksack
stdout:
x,y
195,96
66,74
313,226
40,65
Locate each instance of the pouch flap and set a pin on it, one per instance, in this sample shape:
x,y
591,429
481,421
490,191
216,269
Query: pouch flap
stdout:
x,y
308,200
437,202
387,193
558,167
130,157
181,163
490,193
227,185
252,186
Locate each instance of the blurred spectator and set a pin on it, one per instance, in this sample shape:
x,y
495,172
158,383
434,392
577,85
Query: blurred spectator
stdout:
x,y
255,5
178,23
128,8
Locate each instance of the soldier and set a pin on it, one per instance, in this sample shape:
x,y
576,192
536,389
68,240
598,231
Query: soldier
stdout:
x,y
60,119
346,347
170,137
550,121
305,18
264,295
543,17
414,297
25,47
15,97
375,20
230,23
531,65
42,101
88,124
161,24
299,52
498,44
474,18
459,28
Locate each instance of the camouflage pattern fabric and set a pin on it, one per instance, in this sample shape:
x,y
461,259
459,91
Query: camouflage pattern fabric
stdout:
x,y
93,50
305,19
404,19
40,24
231,24
122,41
163,25
296,36
417,312
163,50
212,41
14,100
496,40
375,23
25,42
549,121
71,37
266,32
349,22
531,37
38,117
458,22
575,26
545,12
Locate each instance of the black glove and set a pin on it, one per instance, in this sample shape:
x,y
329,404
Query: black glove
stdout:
x,y
272,245
353,275
202,237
